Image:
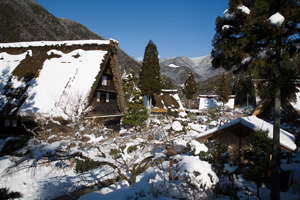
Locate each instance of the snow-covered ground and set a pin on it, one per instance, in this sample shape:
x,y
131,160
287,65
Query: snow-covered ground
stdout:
x,y
37,178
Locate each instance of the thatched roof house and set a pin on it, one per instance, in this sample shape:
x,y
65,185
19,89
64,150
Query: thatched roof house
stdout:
x,y
167,99
60,79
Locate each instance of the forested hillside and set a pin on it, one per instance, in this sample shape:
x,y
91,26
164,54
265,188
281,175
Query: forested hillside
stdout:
x,y
27,20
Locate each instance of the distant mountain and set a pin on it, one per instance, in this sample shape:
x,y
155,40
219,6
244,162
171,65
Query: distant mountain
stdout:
x,y
177,68
27,20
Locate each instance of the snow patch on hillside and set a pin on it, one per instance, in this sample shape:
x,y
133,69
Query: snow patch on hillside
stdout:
x,y
172,65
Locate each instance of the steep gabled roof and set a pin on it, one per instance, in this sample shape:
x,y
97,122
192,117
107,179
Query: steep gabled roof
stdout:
x,y
287,140
167,99
35,76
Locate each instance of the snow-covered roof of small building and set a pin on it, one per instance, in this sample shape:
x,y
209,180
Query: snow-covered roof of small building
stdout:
x,y
209,101
287,140
46,72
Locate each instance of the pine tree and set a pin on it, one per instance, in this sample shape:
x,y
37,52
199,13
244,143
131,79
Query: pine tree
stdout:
x,y
149,81
190,87
247,39
258,155
223,90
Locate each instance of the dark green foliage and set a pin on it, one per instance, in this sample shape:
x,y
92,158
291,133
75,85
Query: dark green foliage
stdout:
x,y
129,84
115,153
214,113
219,156
166,83
137,113
190,86
6,194
252,44
240,85
173,113
132,149
86,165
258,155
223,90
150,74
11,146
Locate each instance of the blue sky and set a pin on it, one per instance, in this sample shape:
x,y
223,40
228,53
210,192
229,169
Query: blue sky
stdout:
x,y
177,27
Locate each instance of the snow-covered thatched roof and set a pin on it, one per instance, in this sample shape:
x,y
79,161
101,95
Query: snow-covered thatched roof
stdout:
x,y
167,99
287,140
35,76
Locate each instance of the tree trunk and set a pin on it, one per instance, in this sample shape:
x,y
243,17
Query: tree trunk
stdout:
x,y
149,103
275,186
275,189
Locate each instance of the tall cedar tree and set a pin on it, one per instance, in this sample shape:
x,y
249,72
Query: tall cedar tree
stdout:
x,y
150,74
190,87
246,40
223,90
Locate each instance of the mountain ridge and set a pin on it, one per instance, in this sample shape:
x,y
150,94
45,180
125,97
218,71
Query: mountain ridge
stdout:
x,y
177,68
27,20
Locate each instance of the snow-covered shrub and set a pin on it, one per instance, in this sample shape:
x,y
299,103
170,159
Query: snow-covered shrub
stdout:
x,y
199,149
12,145
176,126
194,175
218,156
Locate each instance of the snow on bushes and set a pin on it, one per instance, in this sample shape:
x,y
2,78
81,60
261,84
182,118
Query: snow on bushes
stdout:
x,y
199,173
176,126
198,147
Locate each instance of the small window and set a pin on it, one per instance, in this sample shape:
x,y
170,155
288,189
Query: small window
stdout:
x,y
107,97
7,122
14,123
98,96
104,80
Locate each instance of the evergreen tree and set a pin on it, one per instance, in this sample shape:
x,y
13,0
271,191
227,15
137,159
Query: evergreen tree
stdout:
x,y
261,36
150,74
223,90
258,155
137,113
190,87
129,84
166,83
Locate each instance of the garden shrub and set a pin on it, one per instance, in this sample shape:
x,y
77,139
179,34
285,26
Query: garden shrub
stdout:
x,y
11,145
86,165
